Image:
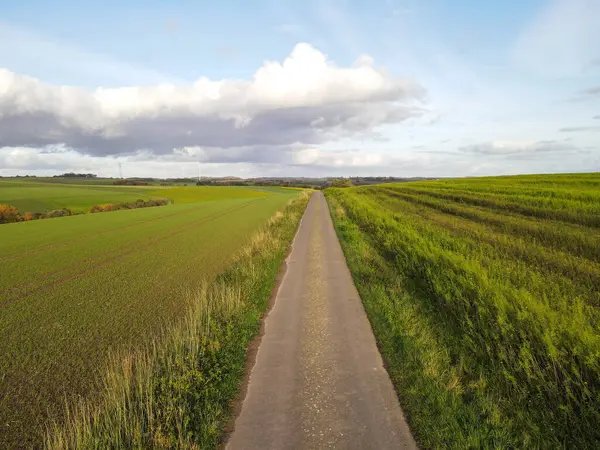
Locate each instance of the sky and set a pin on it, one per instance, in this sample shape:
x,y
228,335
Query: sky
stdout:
x,y
437,88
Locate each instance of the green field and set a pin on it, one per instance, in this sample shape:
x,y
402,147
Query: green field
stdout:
x,y
180,391
194,194
37,197
61,180
74,289
30,196
484,296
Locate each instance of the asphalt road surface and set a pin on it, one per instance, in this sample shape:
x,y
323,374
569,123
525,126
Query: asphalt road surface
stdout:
x,y
318,381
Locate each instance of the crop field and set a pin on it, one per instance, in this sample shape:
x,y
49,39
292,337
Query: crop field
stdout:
x,y
277,189
39,197
484,296
61,180
74,289
194,194
30,196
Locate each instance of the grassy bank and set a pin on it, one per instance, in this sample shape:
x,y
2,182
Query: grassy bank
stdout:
x,y
177,391
483,296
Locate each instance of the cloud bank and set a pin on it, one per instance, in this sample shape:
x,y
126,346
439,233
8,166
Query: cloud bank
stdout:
x,y
582,128
518,149
306,100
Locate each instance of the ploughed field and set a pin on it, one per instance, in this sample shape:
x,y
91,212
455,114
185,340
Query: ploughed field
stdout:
x,y
74,289
484,295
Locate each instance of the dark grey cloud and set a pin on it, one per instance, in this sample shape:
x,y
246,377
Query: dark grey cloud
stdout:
x,y
160,135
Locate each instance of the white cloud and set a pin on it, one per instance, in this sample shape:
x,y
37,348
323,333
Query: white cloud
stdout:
x,y
306,99
340,158
307,156
562,40
582,128
488,158
519,148
593,91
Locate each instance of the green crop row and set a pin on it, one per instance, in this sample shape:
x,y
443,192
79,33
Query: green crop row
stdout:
x,y
571,211
491,337
577,275
579,240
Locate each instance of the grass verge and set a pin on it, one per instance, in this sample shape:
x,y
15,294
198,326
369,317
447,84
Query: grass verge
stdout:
x,y
177,391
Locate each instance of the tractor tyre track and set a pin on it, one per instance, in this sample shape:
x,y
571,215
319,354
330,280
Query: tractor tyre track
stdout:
x,y
123,254
70,242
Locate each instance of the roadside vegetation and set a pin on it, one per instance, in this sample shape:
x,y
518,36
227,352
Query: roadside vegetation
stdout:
x,y
176,391
75,289
484,296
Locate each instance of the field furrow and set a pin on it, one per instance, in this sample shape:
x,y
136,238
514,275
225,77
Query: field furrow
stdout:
x,y
44,281
112,281
579,275
28,252
574,239
485,302
577,212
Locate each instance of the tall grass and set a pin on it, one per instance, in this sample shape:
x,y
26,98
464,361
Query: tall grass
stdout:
x,y
491,337
176,392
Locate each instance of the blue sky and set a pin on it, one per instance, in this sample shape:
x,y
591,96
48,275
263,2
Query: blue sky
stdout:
x,y
434,88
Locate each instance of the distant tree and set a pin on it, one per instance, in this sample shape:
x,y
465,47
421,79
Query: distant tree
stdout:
x,y
341,183
126,182
57,213
76,175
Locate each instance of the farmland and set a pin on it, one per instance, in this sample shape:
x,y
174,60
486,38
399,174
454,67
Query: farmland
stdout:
x,y
29,196
483,295
76,289
206,193
39,197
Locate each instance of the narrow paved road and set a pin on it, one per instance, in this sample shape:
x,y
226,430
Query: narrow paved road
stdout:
x,y
319,381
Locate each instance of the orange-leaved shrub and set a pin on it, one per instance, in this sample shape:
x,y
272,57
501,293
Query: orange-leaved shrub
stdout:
x,y
9,214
